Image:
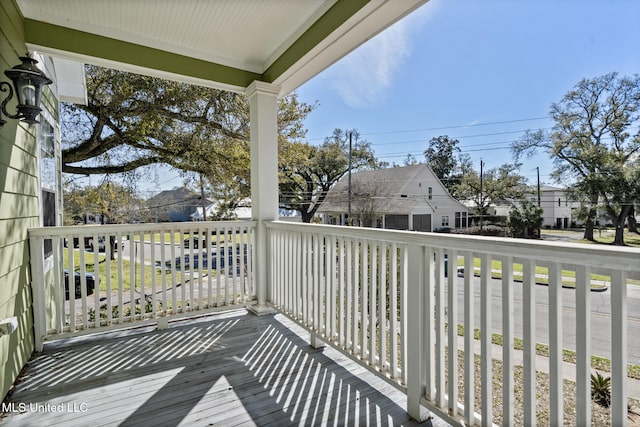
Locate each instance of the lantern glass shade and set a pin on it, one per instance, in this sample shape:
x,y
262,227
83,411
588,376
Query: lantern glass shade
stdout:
x,y
27,82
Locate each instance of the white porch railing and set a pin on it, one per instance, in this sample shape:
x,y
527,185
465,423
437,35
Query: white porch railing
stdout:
x,y
384,298
108,276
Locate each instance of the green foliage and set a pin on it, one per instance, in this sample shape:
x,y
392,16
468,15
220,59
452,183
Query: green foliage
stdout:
x,y
525,219
114,202
497,184
595,143
133,121
447,162
601,389
307,172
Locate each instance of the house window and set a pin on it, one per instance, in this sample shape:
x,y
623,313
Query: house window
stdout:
x,y
461,220
48,178
430,193
445,220
559,201
47,156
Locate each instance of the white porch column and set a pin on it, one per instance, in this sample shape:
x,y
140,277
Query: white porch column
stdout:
x,y
263,109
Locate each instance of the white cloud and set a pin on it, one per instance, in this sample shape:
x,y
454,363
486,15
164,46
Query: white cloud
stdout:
x,y
364,77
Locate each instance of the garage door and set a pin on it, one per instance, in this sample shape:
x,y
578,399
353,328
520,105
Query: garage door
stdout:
x,y
396,222
422,222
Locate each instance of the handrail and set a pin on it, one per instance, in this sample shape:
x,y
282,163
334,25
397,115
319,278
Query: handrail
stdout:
x,y
341,282
146,273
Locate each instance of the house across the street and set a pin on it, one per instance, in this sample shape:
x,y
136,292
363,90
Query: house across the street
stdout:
x,y
174,205
555,204
216,210
400,198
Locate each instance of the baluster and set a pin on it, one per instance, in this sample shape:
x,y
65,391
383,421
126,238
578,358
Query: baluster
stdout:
x,y
440,332
619,325
373,280
555,344
382,298
469,353
393,315
529,335
583,345
485,338
163,272
507,341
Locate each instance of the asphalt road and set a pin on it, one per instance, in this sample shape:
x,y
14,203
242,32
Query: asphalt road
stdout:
x,y
600,316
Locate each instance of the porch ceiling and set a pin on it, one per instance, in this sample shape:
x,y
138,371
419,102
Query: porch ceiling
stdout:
x,y
223,43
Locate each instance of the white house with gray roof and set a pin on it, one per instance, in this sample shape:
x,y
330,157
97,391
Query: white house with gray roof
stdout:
x,y
401,198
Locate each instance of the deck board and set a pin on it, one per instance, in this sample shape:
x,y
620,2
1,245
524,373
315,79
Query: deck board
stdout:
x,y
231,369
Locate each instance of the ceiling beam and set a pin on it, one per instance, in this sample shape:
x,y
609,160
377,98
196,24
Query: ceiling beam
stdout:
x,y
55,39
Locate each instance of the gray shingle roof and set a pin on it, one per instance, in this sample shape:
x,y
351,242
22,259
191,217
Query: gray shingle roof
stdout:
x,y
381,190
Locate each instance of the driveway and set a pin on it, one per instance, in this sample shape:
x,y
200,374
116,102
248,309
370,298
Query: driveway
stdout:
x,y
571,236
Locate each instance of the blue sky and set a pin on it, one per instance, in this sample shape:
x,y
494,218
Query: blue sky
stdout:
x,y
480,71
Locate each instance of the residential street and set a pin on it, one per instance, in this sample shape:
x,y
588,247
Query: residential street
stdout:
x,y
600,317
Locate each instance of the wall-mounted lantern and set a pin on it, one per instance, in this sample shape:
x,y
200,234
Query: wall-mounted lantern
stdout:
x,y
28,81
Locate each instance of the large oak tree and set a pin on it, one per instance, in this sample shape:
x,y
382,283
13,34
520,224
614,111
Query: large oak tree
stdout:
x,y
307,172
132,121
594,145
492,186
447,161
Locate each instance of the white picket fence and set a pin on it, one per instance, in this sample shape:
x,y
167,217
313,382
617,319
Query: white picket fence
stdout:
x,y
389,299
144,273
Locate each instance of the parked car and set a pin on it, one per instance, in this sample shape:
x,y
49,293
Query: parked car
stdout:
x,y
89,244
196,241
221,259
90,284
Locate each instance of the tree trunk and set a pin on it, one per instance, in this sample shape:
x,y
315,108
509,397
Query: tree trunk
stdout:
x,y
307,216
588,230
202,199
591,219
620,220
112,243
631,220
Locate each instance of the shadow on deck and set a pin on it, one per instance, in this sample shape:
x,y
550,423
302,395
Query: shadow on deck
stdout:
x,y
230,369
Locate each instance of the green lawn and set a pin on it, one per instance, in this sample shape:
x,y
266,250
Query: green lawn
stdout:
x,y
630,239
102,271
541,273
604,236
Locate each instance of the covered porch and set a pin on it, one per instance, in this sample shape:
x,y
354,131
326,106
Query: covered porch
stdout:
x,y
388,304
232,369
380,300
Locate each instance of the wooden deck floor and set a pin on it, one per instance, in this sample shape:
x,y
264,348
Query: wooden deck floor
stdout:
x,y
232,369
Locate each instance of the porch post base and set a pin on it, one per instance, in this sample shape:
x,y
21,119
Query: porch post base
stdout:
x,y
316,342
261,309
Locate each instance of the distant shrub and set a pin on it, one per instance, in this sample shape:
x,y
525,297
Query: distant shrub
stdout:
x,y
487,230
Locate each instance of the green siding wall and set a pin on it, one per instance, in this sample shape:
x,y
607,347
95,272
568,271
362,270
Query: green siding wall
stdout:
x,y
18,211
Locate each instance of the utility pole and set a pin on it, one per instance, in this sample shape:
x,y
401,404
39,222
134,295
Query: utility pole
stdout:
x,y
349,179
202,199
539,203
538,173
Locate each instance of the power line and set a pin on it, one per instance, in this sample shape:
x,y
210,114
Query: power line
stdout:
x,y
445,127
456,137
